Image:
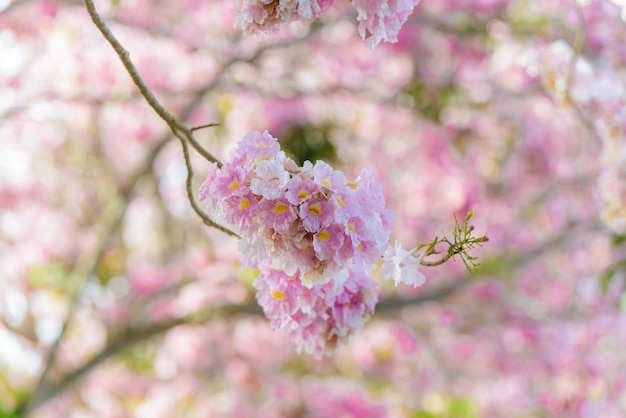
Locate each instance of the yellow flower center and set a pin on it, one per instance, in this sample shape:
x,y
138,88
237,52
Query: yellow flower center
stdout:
x,y
353,184
323,235
303,194
326,183
278,295
315,209
234,185
351,227
280,207
244,203
340,201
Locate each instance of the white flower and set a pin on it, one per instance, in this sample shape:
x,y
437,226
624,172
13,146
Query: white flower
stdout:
x,y
402,266
270,178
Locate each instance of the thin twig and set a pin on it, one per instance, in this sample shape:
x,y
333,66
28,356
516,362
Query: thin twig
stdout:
x,y
184,134
130,67
191,198
210,125
555,242
42,391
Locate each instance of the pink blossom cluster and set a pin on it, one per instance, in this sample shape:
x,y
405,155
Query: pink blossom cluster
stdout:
x,y
314,236
265,15
379,20
320,318
310,220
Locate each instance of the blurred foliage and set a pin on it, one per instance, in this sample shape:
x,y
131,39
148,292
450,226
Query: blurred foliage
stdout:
x,y
430,101
50,276
247,275
498,265
448,407
8,414
619,240
609,274
140,358
308,142
112,263
19,398
524,23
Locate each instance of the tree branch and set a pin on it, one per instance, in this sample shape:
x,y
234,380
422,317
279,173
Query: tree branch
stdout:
x,y
128,338
184,134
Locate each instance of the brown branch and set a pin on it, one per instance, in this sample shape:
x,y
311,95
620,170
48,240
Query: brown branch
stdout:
x,y
184,134
130,337
124,56
191,198
133,336
126,193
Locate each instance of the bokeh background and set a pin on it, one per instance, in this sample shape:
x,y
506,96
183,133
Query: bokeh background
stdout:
x,y
116,301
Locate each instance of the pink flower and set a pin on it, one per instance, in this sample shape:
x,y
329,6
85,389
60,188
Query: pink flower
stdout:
x,y
367,253
328,241
300,189
256,146
271,178
240,210
316,213
314,236
401,266
369,193
277,214
381,20
204,191
325,175
231,181
320,318
266,15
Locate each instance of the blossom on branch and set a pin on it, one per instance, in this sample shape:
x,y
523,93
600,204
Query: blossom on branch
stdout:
x,y
379,20
265,15
320,318
314,235
308,220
